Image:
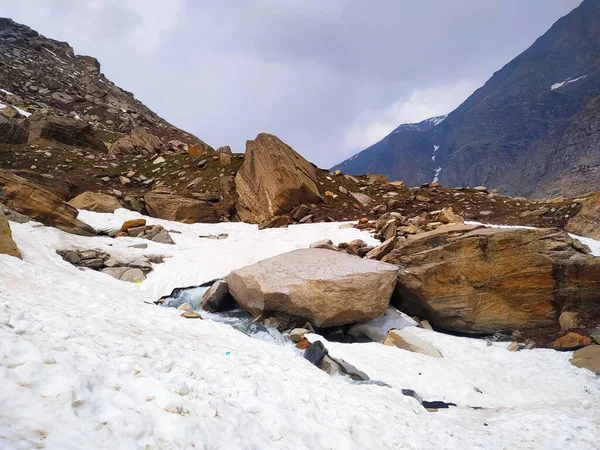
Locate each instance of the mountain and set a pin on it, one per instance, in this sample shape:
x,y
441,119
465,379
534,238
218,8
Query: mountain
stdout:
x,y
533,129
38,74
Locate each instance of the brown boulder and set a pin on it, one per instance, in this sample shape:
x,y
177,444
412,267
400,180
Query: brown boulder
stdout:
x,y
93,201
571,341
30,199
319,286
7,245
588,358
587,222
273,180
170,206
201,148
493,279
133,223
65,130
139,142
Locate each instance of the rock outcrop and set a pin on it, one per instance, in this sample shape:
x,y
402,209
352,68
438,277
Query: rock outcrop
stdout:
x,y
7,244
587,222
13,130
139,142
28,198
170,206
273,180
66,130
93,201
493,279
322,287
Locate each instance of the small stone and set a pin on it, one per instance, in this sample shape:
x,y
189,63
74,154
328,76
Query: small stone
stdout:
x,y
315,353
185,307
325,243
297,334
588,358
191,315
330,194
142,246
425,325
343,190
72,257
568,321
134,223
133,275
571,341
480,188
124,180
513,347
303,344
159,160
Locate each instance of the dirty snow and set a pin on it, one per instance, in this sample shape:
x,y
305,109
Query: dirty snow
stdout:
x,y
85,363
564,83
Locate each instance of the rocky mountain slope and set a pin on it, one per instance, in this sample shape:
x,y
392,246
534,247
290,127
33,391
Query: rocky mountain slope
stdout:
x,y
531,130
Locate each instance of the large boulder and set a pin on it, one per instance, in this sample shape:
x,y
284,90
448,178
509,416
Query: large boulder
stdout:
x,y
7,244
139,142
170,206
66,130
94,201
30,199
59,186
587,222
320,286
273,180
13,130
493,279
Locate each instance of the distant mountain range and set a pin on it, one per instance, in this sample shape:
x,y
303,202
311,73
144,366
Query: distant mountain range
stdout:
x,y
533,129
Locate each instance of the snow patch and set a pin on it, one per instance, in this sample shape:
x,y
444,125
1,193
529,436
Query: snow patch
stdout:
x,y
564,83
21,111
437,174
435,149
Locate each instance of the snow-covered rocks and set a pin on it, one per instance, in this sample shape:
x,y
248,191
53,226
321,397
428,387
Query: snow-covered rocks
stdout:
x,y
323,287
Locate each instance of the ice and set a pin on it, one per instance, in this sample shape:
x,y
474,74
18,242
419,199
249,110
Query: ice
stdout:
x,y
85,362
564,83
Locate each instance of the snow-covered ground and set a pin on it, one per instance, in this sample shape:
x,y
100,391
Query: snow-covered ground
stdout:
x,y
86,363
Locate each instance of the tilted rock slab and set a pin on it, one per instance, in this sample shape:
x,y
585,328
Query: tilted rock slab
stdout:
x,y
94,201
320,286
273,180
494,279
170,206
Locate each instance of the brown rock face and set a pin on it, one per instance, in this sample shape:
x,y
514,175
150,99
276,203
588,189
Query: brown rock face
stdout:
x,y
170,206
7,245
13,130
30,199
587,222
139,142
65,130
493,279
320,286
93,201
273,180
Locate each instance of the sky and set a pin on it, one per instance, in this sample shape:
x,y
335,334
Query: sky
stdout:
x,y
328,77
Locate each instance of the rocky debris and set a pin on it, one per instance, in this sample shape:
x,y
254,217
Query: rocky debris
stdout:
x,y
587,222
405,340
275,222
319,286
493,279
28,198
13,130
587,358
139,142
571,341
66,130
7,244
170,206
217,298
138,229
93,201
133,270
273,180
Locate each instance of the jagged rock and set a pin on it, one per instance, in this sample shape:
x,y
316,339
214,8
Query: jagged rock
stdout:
x,y
571,341
170,206
275,222
14,216
447,216
489,280
297,334
382,250
139,142
133,223
65,130
13,130
319,286
587,222
405,340
315,353
218,298
163,237
363,199
7,244
133,275
300,212
273,180
225,159
587,358
28,198
225,149
93,201
325,243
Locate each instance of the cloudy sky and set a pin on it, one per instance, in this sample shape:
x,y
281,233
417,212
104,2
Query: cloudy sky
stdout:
x,y
328,77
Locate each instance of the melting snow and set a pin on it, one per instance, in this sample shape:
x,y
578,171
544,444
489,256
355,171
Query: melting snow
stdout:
x,y
21,111
437,174
564,83
85,363
435,149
